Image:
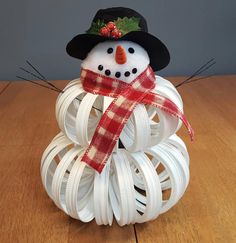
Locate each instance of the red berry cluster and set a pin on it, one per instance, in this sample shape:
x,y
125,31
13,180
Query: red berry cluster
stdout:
x,y
110,30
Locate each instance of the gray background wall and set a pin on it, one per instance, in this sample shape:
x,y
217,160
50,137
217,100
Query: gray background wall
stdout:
x,y
194,31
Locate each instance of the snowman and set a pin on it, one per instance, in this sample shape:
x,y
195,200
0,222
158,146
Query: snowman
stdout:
x,y
117,155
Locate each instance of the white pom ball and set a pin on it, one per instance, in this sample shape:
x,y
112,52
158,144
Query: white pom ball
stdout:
x,y
99,56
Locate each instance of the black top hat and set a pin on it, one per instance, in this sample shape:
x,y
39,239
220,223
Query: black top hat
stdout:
x,y
129,25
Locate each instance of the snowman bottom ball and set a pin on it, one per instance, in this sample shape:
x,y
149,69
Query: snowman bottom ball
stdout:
x,y
134,187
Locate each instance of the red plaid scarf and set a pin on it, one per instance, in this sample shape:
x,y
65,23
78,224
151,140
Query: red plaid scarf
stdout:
x,y
127,96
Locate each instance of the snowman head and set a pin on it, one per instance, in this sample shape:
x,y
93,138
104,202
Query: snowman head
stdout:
x,y
123,60
118,44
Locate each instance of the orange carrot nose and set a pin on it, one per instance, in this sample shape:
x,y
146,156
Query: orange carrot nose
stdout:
x,y
120,55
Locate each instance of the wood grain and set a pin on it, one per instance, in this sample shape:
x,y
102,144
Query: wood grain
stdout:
x,y
206,213
3,86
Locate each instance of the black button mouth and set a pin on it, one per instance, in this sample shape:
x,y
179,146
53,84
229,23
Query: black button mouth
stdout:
x,y
127,73
108,72
117,74
100,67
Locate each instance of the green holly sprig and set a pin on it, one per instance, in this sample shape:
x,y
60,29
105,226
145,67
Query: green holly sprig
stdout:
x,y
95,27
115,29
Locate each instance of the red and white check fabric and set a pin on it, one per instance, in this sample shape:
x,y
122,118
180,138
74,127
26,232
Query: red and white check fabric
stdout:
x,y
127,96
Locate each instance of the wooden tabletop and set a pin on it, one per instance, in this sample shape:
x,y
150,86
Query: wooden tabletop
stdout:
x,y
206,213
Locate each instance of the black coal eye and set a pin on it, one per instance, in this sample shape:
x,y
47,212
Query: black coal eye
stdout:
x,y
117,74
131,50
107,72
109,50
134,70
127,74
100,67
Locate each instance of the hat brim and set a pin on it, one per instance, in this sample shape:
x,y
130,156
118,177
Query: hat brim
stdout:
x,y
158,53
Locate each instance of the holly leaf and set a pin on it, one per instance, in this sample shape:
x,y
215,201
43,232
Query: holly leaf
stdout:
x,y
95,27
125,25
